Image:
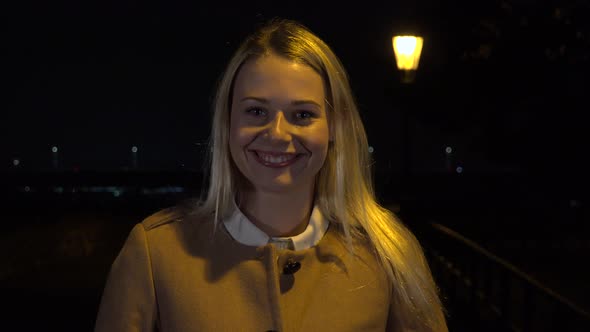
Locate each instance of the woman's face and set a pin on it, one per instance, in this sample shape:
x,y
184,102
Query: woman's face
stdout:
x,y
279,128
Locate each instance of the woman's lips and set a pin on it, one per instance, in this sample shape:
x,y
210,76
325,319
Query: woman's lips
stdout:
x,y
275,159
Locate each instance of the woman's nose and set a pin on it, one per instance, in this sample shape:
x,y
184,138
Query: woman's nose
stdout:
x,y
279,128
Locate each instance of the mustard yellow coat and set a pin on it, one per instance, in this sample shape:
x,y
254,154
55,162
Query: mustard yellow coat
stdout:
x,y
175,274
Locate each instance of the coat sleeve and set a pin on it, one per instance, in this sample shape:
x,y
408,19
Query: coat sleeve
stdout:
x,y
128,301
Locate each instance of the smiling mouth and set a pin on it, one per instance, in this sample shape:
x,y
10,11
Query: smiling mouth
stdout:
x,y
276,159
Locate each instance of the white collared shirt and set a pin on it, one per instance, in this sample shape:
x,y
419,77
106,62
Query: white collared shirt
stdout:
x,y
245,232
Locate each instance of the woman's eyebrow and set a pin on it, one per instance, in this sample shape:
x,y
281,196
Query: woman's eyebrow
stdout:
x,y
294,102
305,101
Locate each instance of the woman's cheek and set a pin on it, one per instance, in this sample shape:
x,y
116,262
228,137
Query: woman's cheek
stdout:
x,y
246,135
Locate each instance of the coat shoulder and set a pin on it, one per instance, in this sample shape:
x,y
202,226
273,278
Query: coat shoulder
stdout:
x,y
163,217
185,213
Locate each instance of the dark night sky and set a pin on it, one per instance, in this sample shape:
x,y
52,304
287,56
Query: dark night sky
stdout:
x,y
503,82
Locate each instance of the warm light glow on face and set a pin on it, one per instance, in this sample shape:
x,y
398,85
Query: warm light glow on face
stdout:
x,y
279,131
407,51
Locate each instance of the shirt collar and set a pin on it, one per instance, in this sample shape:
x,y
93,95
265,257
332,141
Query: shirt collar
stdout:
x,y
245,232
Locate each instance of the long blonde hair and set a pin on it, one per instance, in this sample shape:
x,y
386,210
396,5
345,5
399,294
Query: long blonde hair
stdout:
x,y
344,190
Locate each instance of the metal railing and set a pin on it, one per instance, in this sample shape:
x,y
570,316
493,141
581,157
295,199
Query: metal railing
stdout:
x,y
489,294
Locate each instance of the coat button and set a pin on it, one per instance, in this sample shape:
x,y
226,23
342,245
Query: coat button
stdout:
x,y
291,267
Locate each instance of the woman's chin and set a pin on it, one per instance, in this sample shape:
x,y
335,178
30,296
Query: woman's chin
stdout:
x,y
278,185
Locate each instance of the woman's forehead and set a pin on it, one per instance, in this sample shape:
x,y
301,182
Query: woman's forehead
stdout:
x,y
273,75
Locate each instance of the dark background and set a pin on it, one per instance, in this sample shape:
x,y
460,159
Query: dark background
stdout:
x,y
503,83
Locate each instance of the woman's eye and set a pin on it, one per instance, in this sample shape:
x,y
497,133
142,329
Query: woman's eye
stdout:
x,y
304,115
256,111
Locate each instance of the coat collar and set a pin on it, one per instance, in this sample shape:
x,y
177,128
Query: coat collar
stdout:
x,y
245,232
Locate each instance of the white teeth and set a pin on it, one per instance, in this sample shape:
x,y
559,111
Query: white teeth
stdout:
x,y
275,159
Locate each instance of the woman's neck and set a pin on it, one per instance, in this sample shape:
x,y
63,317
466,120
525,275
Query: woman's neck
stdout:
x,y
278,214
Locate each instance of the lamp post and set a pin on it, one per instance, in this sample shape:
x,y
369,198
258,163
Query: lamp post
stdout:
x,y
134,157
407,50
55,157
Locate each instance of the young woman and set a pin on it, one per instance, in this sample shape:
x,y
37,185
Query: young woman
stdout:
x,y
289,236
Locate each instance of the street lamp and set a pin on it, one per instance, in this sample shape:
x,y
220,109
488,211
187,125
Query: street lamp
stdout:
x,y
407,50
55,157
134,157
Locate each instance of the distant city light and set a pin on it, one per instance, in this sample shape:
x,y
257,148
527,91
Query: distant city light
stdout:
x,y
134,149
54,149
459,169
15,162
371,149
449,150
